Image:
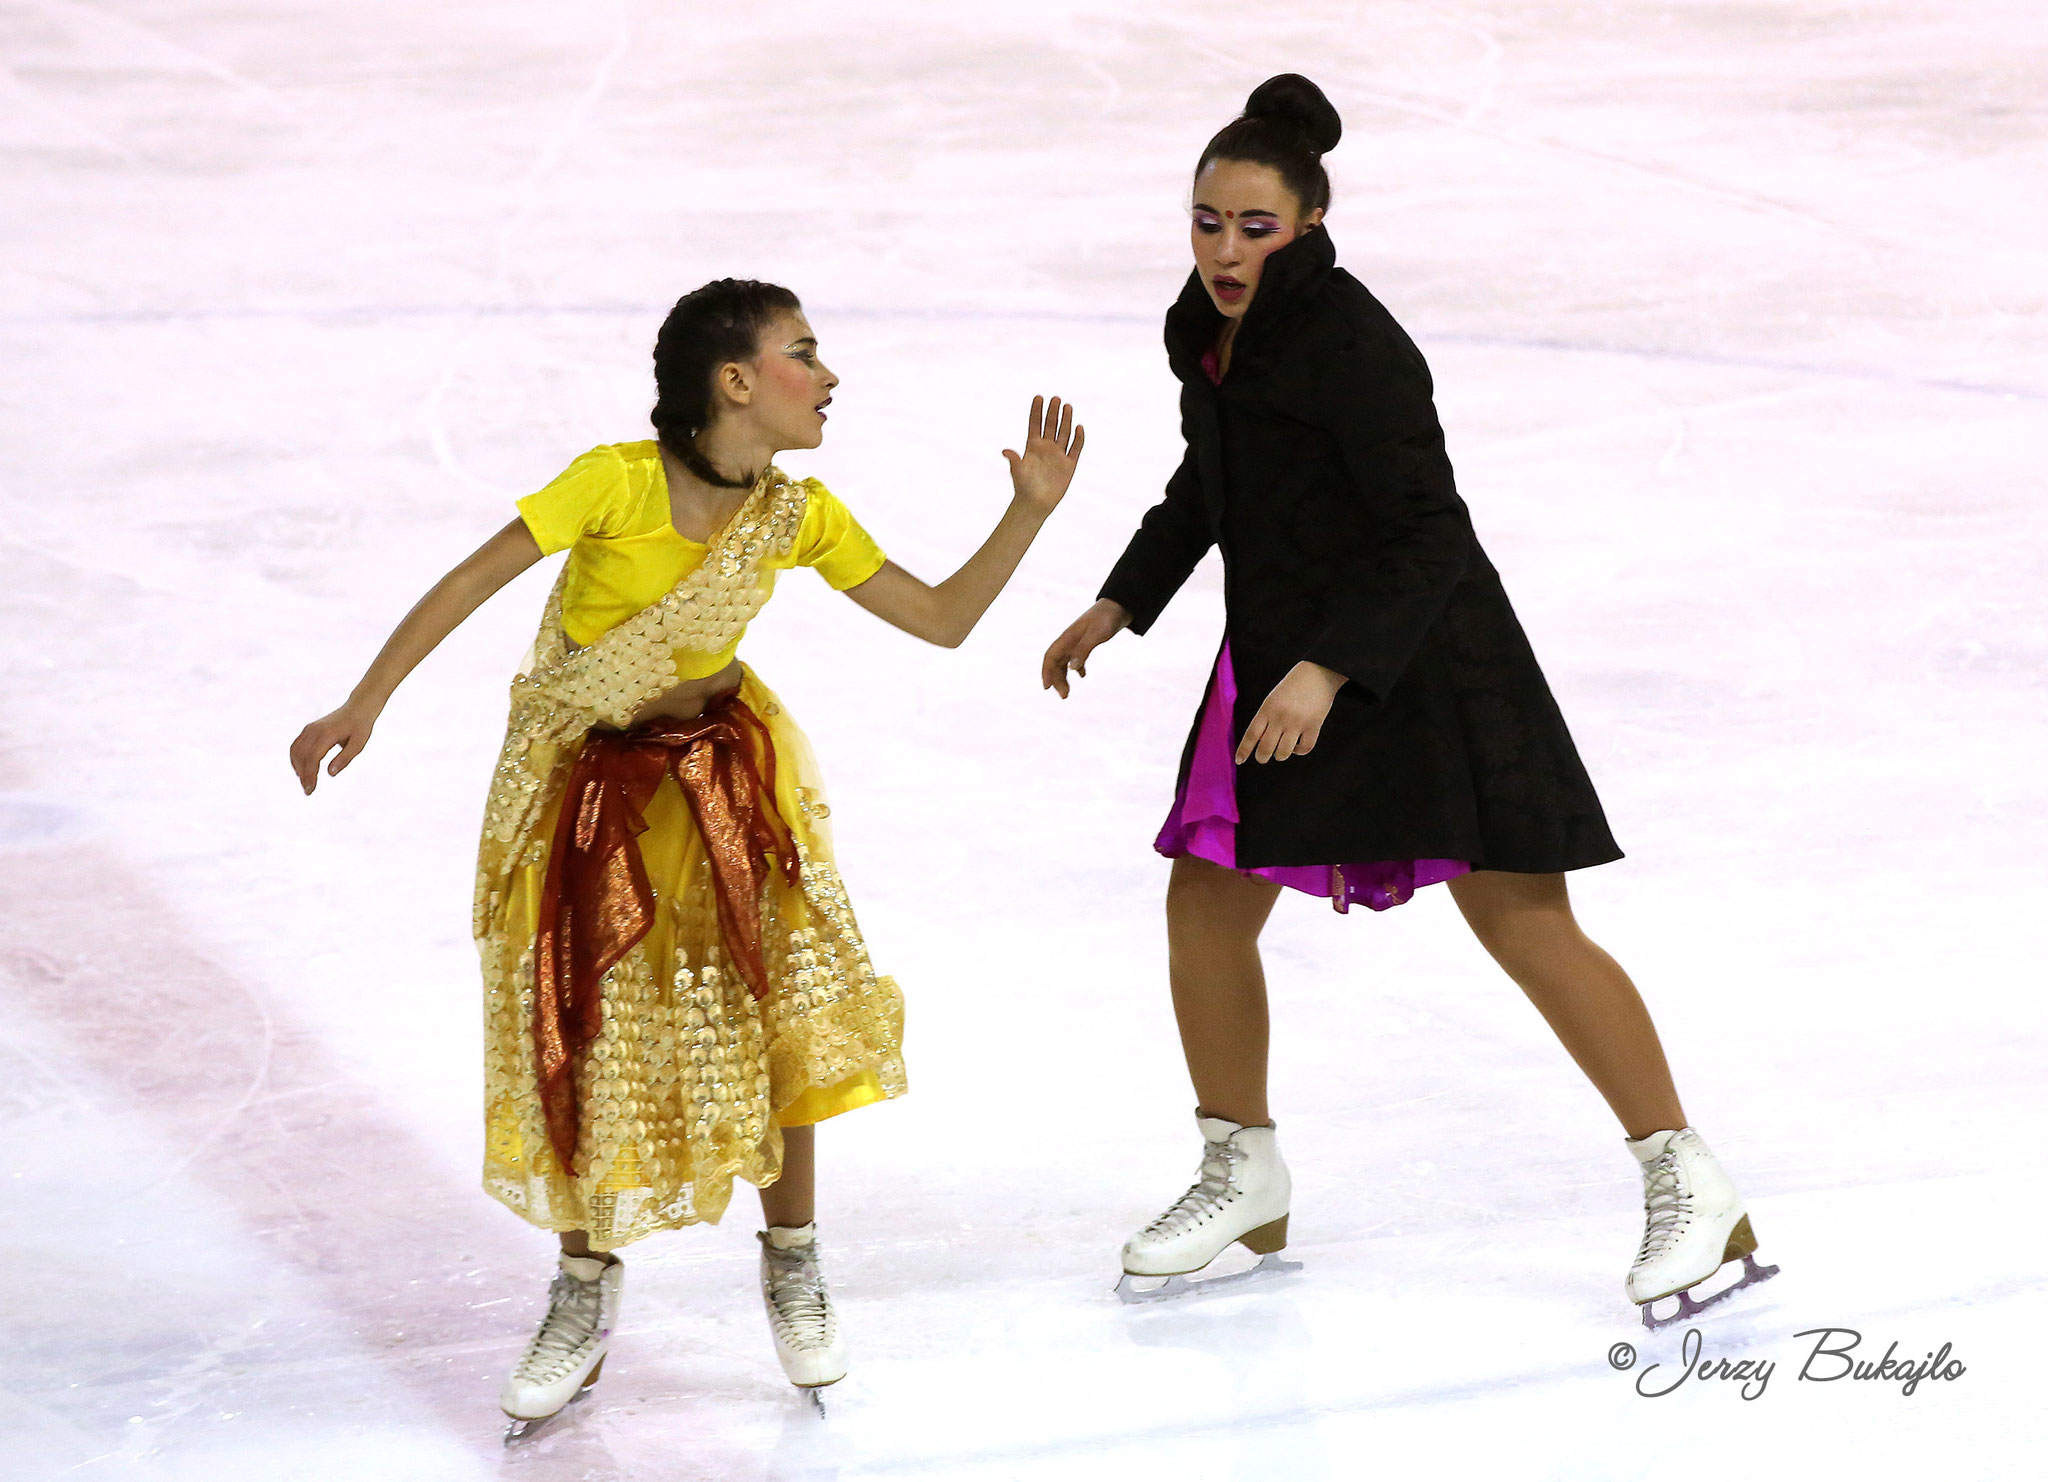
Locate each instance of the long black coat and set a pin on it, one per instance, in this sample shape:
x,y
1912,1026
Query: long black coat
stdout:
x,y
1318,465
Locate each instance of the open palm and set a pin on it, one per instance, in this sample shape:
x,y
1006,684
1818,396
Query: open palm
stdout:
x,y
1052,448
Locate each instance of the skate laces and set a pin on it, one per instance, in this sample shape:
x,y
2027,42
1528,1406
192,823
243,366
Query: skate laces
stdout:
x,y
1667,1206
797,1298
1210,1193
566,1331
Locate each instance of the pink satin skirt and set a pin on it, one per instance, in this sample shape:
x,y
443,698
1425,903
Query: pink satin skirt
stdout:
x,y
1203,822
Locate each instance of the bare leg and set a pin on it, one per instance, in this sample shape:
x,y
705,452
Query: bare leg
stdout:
x,y
792,1199
1213,920
1526,922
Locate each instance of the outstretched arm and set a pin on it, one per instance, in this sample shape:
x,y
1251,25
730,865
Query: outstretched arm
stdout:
x,y
945,614
436,615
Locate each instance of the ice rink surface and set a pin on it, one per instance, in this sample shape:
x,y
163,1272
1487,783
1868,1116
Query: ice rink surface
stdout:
x,y
1735,312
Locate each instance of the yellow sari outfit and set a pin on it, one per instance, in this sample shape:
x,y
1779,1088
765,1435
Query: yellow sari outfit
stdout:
x,y
733,1000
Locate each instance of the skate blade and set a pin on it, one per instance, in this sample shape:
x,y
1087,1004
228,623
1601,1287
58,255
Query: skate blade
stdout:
x,y
1688,1307
517,1430
1270,1264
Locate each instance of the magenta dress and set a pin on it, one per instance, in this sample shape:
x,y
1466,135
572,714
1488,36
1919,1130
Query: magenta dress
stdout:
x,y
1203,820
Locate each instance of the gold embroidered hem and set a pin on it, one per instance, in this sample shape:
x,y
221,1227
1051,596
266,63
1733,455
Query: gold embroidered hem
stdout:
x,y
690,1078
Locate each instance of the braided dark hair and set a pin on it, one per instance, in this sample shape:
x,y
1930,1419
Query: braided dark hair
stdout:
x,y
715,325
1288,126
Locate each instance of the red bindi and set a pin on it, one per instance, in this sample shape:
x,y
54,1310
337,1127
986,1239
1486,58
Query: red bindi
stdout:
x,y
1231,214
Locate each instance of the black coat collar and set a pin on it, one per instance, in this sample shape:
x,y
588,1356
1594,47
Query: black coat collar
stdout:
x,y
1289,284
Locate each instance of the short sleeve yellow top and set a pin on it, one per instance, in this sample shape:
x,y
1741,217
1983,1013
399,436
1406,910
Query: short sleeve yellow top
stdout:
x,y
609,509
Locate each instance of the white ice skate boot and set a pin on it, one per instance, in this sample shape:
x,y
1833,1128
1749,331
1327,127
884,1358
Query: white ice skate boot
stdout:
x,y
800,1312
1241,1196
566,1355
1693,1224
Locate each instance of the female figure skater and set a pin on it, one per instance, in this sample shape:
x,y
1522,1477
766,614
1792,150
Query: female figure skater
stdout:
x,y
676,991
1376,721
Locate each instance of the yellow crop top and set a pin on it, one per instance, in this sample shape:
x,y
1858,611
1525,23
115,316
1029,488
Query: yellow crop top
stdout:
x,y
609,509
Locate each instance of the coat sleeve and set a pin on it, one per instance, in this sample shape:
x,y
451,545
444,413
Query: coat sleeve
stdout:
x,y
1171,540
1411,534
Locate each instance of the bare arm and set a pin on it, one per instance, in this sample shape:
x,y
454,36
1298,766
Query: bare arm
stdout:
x,y
945,614
436,615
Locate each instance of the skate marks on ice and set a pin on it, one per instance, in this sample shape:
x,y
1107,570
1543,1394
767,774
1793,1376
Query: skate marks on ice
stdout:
x,y
260,1125
29,821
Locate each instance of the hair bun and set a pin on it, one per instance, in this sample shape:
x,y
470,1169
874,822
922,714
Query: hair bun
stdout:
x,y
1292,98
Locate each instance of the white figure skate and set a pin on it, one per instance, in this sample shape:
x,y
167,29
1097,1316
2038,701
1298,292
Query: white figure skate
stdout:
x,y
800,1312
1694,1223
1241,1197
567,1354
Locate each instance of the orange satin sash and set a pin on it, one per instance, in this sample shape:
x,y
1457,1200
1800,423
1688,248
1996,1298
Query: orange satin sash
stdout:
x,y
596,903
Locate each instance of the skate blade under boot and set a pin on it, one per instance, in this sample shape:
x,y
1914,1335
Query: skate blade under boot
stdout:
x,y
1266,1243
815,1395
1741,1246
1272,1264
517,1429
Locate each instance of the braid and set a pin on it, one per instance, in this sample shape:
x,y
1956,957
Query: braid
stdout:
x,y
713,326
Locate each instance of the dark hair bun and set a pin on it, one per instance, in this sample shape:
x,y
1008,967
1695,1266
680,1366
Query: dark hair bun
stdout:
x,y
1292,98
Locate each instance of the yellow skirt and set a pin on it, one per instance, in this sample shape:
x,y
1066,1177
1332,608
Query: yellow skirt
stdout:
x,y
692,1079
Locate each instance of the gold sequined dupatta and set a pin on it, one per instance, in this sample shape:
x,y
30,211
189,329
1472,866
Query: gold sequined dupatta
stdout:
x,y
565,690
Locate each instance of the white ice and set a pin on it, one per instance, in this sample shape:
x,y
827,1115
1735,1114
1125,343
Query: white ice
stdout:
x,y
1735,313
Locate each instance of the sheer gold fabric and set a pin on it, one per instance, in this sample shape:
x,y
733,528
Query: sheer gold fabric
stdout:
x,y
691,1079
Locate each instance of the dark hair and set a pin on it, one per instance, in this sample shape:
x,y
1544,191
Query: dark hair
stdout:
x,y
712,326
1288,126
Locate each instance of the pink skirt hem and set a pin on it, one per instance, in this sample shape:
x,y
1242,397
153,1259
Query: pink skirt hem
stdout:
x,y
1203,822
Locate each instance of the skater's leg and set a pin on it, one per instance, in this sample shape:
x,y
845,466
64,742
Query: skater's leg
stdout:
x,y
568,1352
1213,920
792,1199
800,1315
1526,922
576,1243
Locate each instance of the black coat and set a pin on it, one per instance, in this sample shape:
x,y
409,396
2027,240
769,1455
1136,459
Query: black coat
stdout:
x,y
1318,466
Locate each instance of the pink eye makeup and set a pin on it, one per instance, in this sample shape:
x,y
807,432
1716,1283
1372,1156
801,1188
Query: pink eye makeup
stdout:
x,y
1256,225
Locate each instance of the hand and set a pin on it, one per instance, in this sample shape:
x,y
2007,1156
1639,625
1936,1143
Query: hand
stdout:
x,y
1052,446
1089,631
1292,717
349,728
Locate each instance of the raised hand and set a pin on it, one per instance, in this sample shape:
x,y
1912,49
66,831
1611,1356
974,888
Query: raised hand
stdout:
x,y
1052,447
1084,635
346,728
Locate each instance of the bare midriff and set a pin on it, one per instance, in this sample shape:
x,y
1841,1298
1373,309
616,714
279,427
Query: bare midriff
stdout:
x,y
688,699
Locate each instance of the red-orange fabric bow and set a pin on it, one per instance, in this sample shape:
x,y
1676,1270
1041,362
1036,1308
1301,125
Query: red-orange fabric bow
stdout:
x,y
596,903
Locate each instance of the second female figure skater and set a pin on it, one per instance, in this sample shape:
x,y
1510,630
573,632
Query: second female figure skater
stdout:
x,y
1376,721
676,991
